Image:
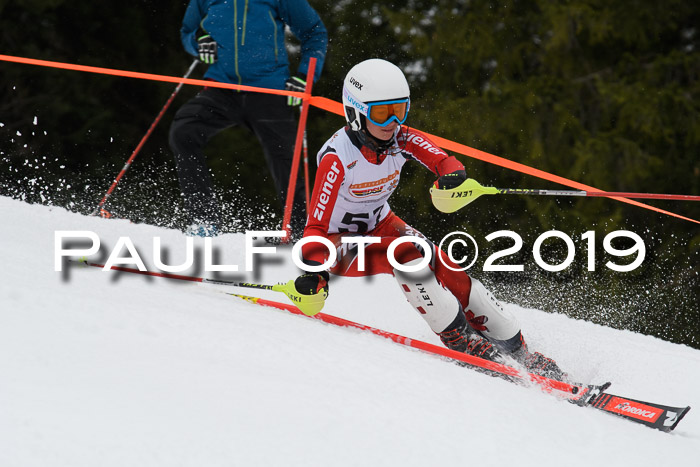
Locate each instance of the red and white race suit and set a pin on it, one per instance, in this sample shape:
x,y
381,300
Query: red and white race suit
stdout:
x,y
353,184
351,192
350,198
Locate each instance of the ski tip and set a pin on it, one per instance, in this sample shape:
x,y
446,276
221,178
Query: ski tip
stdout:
x,y
681,414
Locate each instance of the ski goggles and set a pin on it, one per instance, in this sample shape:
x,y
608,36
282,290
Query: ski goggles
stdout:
x,y
383,113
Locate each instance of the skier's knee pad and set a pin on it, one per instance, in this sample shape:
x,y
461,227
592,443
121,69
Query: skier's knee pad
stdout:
x,y
434,303
487,316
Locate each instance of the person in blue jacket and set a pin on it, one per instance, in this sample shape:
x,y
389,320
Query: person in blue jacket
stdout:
x,y
243,42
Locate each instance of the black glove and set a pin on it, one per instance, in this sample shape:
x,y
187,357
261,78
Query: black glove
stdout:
x,y
296,84
451,180
207,49
312,283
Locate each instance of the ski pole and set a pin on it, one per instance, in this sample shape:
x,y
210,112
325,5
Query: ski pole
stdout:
x,y
308,304
456,198
99,209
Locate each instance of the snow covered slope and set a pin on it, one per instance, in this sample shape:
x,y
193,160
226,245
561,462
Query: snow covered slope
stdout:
x,y
113,369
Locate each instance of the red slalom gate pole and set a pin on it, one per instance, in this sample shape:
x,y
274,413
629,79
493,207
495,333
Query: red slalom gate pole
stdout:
x,y
99,209
307,187
301,129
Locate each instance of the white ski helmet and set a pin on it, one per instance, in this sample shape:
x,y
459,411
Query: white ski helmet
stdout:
x,y
374,81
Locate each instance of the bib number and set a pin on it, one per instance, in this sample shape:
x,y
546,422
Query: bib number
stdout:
x,y
360,220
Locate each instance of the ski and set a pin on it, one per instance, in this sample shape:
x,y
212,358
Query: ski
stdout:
x,y
660,417
579,394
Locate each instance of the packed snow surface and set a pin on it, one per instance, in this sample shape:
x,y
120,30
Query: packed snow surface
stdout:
x,y
99,368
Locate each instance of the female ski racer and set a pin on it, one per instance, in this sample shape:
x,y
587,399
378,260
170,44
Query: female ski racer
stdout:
x,y
358,170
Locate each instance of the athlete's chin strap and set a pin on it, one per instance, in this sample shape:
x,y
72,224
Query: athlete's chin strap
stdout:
x,y
375,144
364,138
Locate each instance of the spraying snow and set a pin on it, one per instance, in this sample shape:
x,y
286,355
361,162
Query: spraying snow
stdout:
x,y
114,369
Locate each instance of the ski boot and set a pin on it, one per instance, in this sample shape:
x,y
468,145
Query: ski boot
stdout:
x,y
537,363
461,337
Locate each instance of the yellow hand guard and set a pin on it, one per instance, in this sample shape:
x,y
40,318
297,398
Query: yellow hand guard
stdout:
x,y
308,304
456,198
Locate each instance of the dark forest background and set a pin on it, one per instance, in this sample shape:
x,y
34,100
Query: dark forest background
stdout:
x,y
604,93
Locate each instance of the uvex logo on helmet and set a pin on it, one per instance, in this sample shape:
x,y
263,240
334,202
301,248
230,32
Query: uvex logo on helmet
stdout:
x,y
352,100
356,83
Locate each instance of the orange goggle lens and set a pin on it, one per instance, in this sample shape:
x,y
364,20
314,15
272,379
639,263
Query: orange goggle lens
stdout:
x,y
381,114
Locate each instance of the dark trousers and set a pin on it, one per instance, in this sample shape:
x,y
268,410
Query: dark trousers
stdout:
x,y
267,116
